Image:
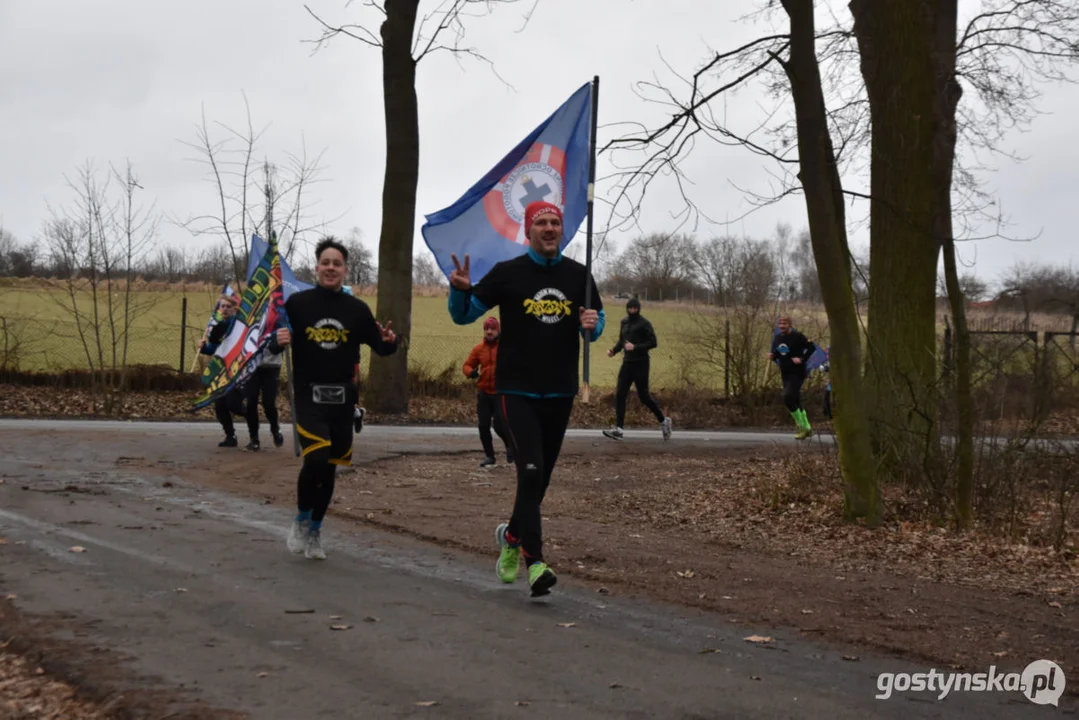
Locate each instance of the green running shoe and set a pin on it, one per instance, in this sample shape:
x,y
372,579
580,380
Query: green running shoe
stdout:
x,y
541,579
509,559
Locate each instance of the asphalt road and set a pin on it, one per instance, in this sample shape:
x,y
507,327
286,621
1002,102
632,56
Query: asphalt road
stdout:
x,y
197,589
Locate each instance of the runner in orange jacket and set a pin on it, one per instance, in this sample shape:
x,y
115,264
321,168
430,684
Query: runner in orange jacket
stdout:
x,y
480,366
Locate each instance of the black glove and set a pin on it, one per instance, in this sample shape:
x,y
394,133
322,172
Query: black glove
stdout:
x,y
357,419
475,373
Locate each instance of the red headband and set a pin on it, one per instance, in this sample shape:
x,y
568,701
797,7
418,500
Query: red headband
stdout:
x,y
537,208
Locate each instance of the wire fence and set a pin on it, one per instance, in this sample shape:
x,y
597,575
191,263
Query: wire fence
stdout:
x,y
45,345
720,355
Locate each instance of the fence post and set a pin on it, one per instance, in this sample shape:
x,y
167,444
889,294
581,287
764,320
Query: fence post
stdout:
x,y
183,332
727,360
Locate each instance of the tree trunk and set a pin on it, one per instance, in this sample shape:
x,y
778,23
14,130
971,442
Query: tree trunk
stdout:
x,y
895,41
964,488
828,234
387,387
946,99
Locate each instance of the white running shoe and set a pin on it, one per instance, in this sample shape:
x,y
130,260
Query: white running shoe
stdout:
x,y
297,536
314,550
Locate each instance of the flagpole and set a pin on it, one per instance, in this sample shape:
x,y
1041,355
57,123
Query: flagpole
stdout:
x,y
588,229
271,236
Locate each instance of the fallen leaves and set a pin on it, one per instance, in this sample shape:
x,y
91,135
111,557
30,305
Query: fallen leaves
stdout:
x,y
27,691
567,625
77,549
340,626
427,703
685,573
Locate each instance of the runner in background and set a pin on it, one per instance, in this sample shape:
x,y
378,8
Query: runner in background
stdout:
x,y
480,366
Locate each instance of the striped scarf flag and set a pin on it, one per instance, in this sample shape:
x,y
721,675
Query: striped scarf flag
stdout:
x,y
260,313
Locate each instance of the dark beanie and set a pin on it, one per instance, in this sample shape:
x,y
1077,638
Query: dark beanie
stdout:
x,y
633,302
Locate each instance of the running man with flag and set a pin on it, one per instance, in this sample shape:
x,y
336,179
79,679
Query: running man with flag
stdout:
x,y
511,228
330,326
541,298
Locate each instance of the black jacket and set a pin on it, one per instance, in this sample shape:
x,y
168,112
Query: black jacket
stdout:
x,y
637,330
538,301
328,327
787,347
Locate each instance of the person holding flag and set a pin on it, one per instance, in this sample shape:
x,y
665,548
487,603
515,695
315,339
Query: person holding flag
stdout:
x,y
541,298
330,326
511,228
232,402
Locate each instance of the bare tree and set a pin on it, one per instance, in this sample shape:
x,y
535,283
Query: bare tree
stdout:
x,y
17,259
361,266
789,62
805,270
404,39
101,239
658,265
251,191
425,272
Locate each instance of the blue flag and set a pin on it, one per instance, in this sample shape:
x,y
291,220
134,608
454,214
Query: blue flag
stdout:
x,y
550,164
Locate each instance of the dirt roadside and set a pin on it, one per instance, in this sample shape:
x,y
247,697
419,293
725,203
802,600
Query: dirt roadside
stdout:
x,y
728,532
738,532
46,675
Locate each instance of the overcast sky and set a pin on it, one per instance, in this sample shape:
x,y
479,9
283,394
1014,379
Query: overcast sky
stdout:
x,y
111,80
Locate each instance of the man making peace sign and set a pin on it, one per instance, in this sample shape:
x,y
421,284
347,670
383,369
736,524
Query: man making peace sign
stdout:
x,y
541,300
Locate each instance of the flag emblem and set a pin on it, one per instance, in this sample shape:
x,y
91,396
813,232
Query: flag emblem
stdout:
x,y
538,177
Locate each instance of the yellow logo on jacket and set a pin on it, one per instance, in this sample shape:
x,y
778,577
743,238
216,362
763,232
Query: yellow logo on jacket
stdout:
x,y
549,305
328,333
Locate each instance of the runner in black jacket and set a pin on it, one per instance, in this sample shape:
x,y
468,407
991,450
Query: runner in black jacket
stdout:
x,y
791,349
540,296
636,337
330,325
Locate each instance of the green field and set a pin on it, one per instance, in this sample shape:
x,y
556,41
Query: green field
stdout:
x,y
48,338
